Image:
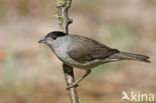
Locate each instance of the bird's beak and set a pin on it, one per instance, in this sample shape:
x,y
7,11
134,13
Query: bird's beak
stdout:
x,y
42,41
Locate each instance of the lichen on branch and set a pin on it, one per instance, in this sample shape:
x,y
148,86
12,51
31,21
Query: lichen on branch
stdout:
x,y
61,2
62,14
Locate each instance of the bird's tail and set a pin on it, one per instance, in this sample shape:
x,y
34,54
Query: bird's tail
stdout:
x,y
131,56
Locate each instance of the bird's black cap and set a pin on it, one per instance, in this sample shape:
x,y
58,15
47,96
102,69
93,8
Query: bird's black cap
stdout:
x,y
55,34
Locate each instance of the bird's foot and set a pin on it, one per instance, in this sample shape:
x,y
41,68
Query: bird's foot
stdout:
x,y
71,86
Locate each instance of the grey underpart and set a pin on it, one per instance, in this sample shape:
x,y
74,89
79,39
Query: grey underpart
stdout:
x,y
76,83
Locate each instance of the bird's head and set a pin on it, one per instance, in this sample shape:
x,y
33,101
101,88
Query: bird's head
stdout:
x,y
51,37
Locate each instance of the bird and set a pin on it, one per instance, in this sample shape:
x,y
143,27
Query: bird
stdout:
x,y
85,53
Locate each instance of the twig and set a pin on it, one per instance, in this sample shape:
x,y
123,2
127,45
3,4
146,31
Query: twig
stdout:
x,y
64,21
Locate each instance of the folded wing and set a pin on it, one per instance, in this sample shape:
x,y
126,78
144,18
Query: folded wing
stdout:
x,y
84,49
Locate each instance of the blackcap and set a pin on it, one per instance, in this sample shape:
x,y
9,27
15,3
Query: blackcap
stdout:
x,y
85,53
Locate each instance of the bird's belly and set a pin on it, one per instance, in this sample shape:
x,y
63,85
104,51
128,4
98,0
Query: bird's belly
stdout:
x,y
85,66
64,57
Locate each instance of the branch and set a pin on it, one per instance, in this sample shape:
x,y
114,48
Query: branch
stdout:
x,y
64,21
62,11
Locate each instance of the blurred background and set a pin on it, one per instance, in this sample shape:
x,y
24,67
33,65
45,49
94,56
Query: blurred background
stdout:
x,y
31,73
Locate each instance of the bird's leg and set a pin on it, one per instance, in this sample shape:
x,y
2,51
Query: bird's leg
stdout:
x,y
76,83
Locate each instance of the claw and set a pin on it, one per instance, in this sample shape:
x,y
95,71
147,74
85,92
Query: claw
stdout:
x,y
75,84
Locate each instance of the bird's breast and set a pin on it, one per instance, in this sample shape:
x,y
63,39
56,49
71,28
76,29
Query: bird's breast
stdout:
x,y
60,48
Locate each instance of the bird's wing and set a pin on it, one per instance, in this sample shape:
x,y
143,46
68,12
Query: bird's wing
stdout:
x,y
84,49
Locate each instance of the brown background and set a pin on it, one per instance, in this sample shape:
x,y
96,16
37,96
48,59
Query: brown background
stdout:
x,y
31,73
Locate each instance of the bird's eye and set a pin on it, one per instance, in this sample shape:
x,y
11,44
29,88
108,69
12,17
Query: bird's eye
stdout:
x,y
54,37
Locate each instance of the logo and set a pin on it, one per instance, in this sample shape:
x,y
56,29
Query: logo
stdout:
x,y
137,96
